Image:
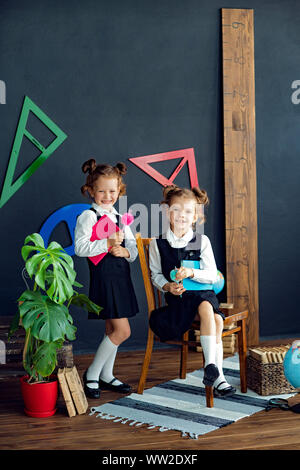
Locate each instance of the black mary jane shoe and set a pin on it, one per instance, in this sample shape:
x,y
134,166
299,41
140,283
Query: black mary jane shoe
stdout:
x,y
122,388
90,392
224,392
211,373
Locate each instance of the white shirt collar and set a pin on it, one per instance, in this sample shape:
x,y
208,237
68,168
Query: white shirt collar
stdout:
x,y
174,240
102,211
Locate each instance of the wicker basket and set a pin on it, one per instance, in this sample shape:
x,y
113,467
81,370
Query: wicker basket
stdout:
x,y
267,379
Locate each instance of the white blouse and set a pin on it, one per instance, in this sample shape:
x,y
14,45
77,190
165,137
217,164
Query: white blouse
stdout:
x,y
83,232
208,269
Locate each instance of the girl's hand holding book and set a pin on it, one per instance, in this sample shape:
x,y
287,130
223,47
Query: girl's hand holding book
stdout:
x,y
119,251
183,273
115,239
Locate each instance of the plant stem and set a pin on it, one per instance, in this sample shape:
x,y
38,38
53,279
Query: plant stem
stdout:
x,y
27,337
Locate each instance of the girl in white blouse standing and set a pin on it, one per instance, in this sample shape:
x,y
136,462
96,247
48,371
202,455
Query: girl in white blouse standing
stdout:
x,y
110,280
167,252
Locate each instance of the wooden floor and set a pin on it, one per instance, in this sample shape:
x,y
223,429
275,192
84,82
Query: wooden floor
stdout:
x,y
271,430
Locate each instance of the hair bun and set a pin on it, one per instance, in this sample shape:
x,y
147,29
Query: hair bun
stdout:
x,y
121,167
89,166
168,189
201,195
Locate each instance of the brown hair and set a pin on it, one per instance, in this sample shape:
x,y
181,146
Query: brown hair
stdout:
x,y
95,170
199,195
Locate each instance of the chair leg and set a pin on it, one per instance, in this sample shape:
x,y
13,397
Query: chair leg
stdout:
x,y
146,362
209,397
208,391
242,345
183,356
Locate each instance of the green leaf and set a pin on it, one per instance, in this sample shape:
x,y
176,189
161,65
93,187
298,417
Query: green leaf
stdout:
x,y
36,263
40,277
82,301
26,250
36,238
48,320
44,359
59,288
77,284
54,246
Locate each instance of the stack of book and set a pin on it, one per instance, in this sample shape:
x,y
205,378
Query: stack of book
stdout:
x,y
269,354
229,342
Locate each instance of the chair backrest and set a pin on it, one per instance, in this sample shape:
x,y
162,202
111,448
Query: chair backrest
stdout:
x,y
143,250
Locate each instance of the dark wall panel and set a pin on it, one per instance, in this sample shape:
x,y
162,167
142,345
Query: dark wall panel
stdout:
x,y
128,78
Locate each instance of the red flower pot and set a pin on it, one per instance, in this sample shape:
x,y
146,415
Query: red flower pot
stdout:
x,y
39,398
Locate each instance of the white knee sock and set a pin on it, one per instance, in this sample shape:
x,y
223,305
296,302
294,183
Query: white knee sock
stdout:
x,y
219,364
208,344
106,373
104,351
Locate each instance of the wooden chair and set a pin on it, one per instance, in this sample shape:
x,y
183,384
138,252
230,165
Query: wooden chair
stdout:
x,y
233,317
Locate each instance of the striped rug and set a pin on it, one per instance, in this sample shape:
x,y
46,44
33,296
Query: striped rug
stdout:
x,y
181,405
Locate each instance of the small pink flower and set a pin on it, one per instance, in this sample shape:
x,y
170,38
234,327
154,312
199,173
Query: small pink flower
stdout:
x,y
127,218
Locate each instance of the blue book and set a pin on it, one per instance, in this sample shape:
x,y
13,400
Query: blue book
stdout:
x,y
188,283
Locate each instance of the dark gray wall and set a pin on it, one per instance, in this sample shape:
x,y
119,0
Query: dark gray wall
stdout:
x,y
126,78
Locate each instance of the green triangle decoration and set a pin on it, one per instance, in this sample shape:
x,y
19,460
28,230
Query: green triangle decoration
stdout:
x,y
10,188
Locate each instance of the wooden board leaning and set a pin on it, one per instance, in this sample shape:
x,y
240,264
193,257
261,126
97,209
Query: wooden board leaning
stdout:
x,y
72,391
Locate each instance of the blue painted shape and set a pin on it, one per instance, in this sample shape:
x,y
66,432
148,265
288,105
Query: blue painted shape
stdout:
x,y
67,214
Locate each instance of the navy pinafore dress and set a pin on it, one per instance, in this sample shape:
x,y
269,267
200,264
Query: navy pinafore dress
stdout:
x,y
111,286
170,322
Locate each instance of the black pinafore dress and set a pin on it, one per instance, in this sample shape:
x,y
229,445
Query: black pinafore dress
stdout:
x,y
170,322
111,286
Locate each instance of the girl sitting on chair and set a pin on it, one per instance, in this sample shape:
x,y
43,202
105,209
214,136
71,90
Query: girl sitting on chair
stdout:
x,y
181,242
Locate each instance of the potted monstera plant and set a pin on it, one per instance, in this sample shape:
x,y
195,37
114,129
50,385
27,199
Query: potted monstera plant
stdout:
x,y
43,312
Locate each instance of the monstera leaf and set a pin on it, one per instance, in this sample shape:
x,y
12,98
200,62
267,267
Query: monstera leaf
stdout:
x,y
44,359
82,301
54,259
47,320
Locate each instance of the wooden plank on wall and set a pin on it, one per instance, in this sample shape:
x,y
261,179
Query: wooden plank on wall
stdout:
x,y
240,164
